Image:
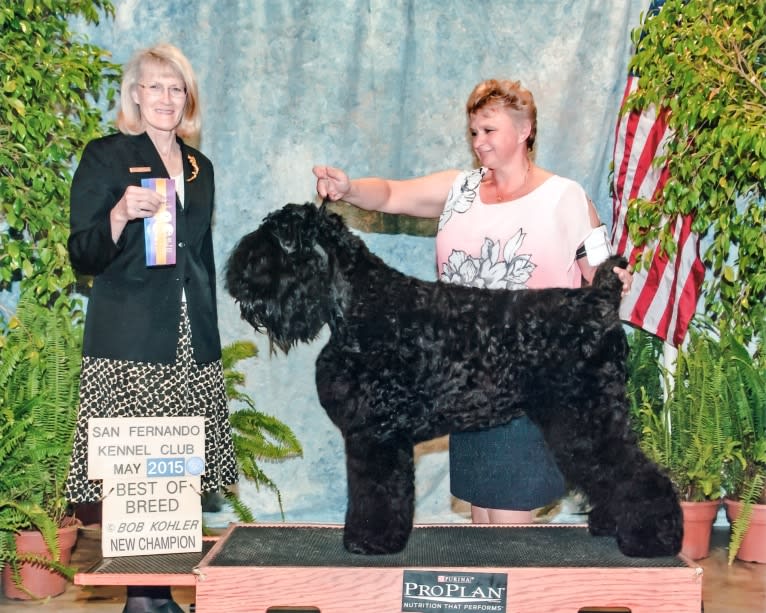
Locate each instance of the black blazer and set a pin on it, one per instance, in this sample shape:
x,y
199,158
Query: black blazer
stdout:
x,y
133,311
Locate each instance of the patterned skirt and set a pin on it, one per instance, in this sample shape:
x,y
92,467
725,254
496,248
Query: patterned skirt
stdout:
x,y
123,388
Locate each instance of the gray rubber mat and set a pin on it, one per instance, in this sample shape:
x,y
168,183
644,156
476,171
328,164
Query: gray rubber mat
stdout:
x,y
432,546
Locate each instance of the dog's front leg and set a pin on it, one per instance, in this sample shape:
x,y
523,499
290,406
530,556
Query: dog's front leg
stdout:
x,y
381,495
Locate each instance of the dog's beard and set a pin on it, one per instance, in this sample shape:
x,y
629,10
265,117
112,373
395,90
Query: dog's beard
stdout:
x,y
257,320
275,343
280,333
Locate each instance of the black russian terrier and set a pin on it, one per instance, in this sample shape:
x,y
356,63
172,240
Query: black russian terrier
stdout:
x,y
409,360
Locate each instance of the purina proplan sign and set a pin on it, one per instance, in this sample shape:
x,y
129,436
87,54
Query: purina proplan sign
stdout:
x,y
454,592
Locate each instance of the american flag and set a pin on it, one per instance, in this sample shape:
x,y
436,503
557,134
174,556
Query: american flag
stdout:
x,y
663,299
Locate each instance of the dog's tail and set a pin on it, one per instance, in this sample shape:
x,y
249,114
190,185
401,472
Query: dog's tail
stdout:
x,y
606,279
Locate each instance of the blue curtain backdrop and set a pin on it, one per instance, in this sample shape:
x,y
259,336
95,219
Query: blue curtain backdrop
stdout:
x,y
377,87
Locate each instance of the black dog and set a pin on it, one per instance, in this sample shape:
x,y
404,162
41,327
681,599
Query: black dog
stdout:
x,y
409,360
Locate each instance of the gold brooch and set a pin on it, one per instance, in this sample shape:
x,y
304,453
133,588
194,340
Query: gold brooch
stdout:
x,y
195,168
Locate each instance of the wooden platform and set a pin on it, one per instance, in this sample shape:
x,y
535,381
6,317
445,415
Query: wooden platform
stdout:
x,y
175,569
739,588
556,569
262,568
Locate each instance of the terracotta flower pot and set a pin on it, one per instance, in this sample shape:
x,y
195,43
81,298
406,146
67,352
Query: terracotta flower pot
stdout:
x,y
753,547
41,582
698,525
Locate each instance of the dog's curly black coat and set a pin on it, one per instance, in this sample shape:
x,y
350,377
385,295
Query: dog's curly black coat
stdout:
x,y
409,360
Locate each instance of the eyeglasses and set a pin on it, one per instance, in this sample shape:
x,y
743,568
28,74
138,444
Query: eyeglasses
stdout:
x,y
155,90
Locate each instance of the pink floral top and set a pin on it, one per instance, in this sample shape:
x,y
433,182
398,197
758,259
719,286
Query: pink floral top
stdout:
x,y
529,242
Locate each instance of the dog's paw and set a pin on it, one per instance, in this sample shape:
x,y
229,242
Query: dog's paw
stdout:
x,y
647,533
650,547
374,543
601,522
369,544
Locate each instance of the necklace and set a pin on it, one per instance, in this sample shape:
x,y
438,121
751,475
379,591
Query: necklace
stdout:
x,y
498,195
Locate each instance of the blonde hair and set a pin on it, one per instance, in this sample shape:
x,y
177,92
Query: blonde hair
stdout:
x,y
509,95
129,116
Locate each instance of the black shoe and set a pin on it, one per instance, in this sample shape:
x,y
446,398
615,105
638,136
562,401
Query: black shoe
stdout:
x,y
151,599
139,604
167,606
144,604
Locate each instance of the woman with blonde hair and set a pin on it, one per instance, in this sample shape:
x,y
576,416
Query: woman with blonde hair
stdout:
x,y
151,346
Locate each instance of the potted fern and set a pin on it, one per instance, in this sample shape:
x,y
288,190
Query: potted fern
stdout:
x,y
39,378
51,106
684,425
746,478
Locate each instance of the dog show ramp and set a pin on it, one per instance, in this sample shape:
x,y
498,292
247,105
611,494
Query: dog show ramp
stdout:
x,y
255,568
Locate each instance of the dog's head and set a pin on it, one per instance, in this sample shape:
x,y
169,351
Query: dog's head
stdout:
x,y
281,276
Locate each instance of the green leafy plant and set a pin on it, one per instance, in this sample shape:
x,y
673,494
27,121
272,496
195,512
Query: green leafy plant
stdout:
x,y
687,429
39,378
257,436
746,478
645,380
705,61
710,429
52,84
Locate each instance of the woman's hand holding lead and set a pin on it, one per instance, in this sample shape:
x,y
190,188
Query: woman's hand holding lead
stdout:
x,y
332,183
